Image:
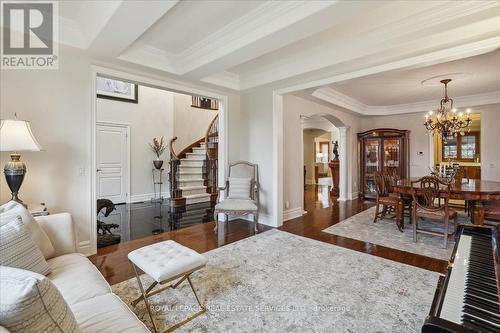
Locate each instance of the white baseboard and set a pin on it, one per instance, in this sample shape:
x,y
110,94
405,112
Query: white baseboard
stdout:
x,y
292,213
146,197
354,195
84,248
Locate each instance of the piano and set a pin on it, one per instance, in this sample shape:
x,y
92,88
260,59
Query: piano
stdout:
x,y
467,297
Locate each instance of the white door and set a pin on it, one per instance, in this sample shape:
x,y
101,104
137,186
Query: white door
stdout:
x,y
112,162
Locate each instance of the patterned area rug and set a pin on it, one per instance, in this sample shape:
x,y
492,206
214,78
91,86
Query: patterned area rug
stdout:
x,y
386,233
279,282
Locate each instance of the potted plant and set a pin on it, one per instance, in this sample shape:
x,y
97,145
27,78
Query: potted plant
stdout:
x,y
158,147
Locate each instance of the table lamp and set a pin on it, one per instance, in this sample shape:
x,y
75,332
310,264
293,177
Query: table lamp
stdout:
x,y
15,136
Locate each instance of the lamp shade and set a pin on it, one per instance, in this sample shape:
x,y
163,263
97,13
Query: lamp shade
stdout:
x,y
16,135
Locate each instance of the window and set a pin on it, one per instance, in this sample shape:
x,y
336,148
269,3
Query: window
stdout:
x,y
468,147
462,147
450,148
322,152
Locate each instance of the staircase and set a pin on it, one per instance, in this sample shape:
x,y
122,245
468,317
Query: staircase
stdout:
x,y
193,174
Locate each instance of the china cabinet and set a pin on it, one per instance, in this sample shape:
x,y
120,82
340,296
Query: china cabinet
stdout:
x,y
383,150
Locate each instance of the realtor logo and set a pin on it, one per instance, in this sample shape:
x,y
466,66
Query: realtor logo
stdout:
x,y
29,35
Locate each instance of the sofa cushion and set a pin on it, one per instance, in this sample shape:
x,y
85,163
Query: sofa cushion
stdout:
x,y
107,314
18,250
13,209
77,278
30,303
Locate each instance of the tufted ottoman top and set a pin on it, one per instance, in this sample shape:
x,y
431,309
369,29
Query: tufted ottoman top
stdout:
x,y
165,260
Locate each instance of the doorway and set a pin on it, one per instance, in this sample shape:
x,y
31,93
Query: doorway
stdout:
x,y
101,187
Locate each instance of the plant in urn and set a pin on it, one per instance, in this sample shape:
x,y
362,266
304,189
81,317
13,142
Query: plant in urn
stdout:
x,y
158,147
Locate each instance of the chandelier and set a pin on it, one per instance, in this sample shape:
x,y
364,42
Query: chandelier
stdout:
x,y
447,121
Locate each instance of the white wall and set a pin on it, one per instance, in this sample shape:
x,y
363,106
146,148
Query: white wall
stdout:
x,y
57,102
152,117
419,140
190,124
490,141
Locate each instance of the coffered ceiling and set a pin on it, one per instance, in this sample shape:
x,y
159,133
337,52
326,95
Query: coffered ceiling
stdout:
x,y
241,45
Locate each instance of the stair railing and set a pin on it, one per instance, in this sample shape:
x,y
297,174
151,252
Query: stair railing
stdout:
x,y
211,147
173,175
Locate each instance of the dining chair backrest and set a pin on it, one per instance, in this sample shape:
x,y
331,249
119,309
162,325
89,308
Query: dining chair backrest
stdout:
x,y
380,186
431,189
249,170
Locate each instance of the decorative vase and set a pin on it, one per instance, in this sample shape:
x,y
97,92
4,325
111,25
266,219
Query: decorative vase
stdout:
x,y
158,164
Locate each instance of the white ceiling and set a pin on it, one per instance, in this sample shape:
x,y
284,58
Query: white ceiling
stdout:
x,y
241,45
482,75
173,32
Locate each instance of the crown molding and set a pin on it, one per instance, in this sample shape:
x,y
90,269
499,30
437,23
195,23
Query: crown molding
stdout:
x,y
334,97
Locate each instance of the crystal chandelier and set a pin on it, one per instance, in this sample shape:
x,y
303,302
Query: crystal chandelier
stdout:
x,y
447,121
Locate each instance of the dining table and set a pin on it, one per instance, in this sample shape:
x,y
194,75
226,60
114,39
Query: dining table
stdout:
x,y
475,191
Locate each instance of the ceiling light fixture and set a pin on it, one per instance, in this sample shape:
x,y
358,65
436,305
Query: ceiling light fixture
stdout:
x,y
447,122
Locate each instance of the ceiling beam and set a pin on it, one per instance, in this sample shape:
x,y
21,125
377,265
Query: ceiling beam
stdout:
x,y
126,24
269,27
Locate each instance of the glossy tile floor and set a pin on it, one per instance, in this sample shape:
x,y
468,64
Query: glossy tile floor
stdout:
x,y
143,219
322,212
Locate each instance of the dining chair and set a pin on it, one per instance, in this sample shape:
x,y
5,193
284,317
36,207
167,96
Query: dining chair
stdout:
x,y
425,197
391,179
390,204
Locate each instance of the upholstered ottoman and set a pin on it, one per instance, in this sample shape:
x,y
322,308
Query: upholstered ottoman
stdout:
x,y
165,262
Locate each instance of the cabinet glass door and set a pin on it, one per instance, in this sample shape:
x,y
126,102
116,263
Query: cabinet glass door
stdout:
x,y
372,164
392,156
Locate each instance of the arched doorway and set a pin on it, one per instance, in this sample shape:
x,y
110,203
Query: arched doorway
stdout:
x,y
328,123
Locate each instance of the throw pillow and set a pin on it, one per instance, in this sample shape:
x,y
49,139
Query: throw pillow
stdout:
x,y
239,188
18,250
30,303
13,209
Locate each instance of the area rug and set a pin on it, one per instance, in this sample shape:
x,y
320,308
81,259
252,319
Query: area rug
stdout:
x,y
386,233
279,282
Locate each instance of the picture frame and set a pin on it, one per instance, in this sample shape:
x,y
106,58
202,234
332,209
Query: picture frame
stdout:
x,y
117,90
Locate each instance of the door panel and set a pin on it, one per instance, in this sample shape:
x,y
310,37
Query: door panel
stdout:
x,y
372,164
112,163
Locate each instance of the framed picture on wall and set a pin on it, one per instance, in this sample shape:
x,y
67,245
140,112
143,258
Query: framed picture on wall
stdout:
x,y
117,90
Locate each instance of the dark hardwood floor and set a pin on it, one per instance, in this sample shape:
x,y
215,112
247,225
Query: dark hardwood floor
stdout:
x,y
323,211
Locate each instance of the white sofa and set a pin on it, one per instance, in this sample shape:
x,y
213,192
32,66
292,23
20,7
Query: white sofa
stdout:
x,y
89,296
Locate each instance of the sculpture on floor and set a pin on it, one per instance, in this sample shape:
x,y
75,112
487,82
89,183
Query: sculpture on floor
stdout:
x,y
336,151
104,234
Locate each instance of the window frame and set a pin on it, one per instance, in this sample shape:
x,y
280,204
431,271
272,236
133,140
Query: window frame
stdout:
x,y
459,147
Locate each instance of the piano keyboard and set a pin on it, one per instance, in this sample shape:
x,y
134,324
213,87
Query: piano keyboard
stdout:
x,y
471,298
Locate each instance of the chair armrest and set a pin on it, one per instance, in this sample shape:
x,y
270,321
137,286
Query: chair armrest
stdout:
x,y
61,231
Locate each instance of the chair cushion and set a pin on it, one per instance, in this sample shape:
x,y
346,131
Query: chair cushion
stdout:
x,y
13,209
236,205
435,215
165,260
239,188
388,200
106,314
67,269
18,250
30,303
